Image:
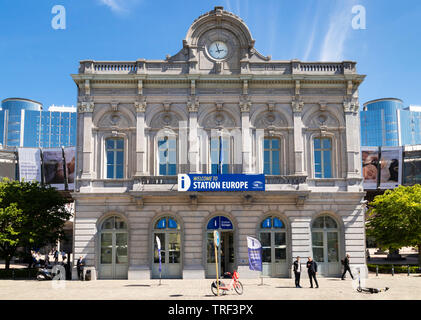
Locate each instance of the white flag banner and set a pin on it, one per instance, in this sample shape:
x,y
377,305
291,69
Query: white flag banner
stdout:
x,y
29,164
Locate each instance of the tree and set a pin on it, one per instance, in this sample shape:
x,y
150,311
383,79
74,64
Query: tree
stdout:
x,y
31,216
395,218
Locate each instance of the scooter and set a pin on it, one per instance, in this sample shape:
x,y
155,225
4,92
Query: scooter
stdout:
x,y
46,273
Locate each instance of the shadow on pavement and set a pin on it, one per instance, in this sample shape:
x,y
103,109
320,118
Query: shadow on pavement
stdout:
x,y
137,285
176,295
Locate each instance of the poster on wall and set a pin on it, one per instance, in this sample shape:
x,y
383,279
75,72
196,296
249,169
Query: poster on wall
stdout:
x,y
29,164
53,167
390,164
370,165
70,158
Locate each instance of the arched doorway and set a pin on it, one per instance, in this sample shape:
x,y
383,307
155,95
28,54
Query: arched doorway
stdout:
x,y
225,251
325,243
114,260
273,237
168,230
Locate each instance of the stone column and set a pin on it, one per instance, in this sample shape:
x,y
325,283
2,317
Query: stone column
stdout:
x,y
140,137
193,108
87,108
352,135
245,105
297,108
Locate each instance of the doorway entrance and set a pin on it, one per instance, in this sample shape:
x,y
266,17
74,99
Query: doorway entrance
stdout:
x,y
168,232
225,251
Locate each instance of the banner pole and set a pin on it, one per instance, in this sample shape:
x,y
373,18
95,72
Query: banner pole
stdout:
x,y
216,264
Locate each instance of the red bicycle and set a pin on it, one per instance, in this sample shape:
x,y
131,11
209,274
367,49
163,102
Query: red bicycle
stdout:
x,y
233,284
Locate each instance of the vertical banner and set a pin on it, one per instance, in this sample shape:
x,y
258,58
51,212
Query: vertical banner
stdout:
x,y
158,245
70,158
390,167
255,254
53,167
29,164
370,166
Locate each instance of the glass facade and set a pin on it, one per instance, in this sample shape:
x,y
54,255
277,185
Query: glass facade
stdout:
x,y
24,124
387,123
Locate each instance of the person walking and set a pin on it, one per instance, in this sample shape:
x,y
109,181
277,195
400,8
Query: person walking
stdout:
x,y
80,265
297,272
312,271
345,262
55,256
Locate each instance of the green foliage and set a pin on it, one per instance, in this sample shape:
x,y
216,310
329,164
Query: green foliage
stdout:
x,y
31,216
395,218
387,268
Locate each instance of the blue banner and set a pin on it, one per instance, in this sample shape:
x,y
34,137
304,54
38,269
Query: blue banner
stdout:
x,y
221,182
255,254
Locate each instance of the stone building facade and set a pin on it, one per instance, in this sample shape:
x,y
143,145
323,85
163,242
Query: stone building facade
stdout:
x,y
140,123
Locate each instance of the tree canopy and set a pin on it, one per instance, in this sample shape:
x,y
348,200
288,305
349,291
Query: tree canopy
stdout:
x,y
31,216
395,218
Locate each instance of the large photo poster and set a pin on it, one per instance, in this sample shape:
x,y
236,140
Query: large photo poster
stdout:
x,y
53,167
390,167
70,158
370,166
29,164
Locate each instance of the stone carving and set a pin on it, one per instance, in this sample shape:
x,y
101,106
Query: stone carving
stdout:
x,y
85,106
245,103
218,119
114,120
270,119
165,119
193,104
322,119
351,105
297,105
140,104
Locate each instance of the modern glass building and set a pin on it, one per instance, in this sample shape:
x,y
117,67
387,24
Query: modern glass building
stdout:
x,y
23,123
388,123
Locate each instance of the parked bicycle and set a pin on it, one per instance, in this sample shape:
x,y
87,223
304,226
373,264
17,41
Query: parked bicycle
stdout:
x,y
233,284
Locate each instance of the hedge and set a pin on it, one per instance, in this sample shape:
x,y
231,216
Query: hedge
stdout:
x,y
387,268
18,274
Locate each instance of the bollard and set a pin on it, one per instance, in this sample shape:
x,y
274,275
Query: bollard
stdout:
x,y
377,270
408,270
393,270
13,274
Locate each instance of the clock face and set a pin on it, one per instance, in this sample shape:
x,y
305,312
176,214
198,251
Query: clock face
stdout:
x,y
218,50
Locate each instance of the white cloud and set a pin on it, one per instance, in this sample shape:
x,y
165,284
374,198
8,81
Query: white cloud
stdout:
x,y
340,26
119,6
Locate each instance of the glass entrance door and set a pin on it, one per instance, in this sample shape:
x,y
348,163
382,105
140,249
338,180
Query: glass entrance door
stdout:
x,y
167,230
113,262
225,251
274,248
325,241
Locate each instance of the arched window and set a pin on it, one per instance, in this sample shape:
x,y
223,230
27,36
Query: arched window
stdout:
x,y
167,230
272,156
167,155
322,157
115,158
273,239
114,248
325,239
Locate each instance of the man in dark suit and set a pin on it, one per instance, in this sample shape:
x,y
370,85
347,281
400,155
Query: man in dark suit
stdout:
x,y
297,272
345,262
80,265
312,271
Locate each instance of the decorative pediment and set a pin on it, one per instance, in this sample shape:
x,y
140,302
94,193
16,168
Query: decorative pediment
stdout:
x,y
113,120
165,119
270,119
218,119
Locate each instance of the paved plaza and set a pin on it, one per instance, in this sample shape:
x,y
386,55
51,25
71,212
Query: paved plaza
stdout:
x,y
401,287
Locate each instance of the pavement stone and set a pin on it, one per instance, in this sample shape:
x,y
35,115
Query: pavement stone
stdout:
x,y
401,287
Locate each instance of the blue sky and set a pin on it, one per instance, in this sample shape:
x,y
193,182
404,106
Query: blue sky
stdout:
x,y
36,61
